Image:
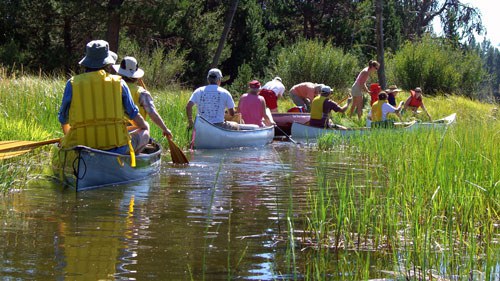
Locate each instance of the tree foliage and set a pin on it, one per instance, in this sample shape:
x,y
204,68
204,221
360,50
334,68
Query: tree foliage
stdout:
x,y
50,35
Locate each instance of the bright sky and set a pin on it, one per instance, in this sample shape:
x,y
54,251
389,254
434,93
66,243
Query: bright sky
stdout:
x,y
491,19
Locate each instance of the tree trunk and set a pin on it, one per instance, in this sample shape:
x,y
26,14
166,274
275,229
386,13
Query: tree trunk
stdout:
x,y
379,10
114,24
225,32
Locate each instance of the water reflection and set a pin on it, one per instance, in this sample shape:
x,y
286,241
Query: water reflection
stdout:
x,y
220,217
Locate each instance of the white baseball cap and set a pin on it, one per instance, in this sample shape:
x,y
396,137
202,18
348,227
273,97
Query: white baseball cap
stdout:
x,y
326,89
214,72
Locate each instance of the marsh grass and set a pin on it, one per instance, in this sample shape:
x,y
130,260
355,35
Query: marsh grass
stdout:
x,y
434,204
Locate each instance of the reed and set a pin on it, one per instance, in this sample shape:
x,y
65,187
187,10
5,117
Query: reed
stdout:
x,y
432,204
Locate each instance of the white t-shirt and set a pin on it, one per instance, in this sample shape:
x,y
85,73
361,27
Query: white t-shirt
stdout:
x,y
386,109
276,86
212,101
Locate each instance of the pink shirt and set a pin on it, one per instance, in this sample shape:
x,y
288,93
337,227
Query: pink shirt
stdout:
x,y
251,109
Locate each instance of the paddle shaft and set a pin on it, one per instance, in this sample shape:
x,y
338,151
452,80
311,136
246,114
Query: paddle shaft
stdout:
x,y
286,135
12,146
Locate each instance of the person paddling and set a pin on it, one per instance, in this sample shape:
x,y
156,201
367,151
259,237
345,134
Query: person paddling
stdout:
x,y
96,105
321,107
212,101
415,101
379,111
359,87
272,91
253,107
302,94
392,92
129,70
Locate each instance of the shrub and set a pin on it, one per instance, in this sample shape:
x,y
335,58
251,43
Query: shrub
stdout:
x,y
437,66
240,84
161,66
317,62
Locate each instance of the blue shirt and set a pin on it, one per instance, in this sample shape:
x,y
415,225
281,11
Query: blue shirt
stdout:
x,y
131,109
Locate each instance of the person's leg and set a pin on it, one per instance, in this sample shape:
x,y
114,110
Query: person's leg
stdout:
x,y
139,138
357,104
360,107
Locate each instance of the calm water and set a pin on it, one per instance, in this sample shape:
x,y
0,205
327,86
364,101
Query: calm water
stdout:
x,y
223,217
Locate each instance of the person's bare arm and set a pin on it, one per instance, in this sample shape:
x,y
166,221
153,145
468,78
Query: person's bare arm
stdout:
x,y
159,122
267,118
140,123
189,113
65,128
426,112
346,106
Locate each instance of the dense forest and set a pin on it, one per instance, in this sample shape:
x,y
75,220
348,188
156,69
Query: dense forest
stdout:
x,y
176,41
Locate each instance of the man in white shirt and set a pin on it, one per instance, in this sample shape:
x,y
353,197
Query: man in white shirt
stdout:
x,y
212,101
271,91
379,111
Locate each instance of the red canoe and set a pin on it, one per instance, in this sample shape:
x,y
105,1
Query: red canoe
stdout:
x,y
285,121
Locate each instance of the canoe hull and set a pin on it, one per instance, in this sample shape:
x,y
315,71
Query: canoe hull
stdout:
x,y
86,168
301,131
208,136
285,120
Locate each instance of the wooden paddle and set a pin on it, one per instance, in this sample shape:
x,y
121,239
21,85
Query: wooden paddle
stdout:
x,y
9,149
286,135
178,157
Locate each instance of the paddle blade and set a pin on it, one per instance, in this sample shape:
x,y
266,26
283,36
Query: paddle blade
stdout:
x,y
178,156
9,149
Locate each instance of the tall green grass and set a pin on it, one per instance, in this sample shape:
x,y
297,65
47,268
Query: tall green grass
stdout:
x,y
433,205
29,107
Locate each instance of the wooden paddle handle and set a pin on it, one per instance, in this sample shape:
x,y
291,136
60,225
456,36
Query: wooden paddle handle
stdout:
x,y
343,100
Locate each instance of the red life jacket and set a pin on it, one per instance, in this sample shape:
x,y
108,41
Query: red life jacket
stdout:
x,y
415,102
375,89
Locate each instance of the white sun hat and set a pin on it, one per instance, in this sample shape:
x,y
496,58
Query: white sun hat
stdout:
x,y
129,68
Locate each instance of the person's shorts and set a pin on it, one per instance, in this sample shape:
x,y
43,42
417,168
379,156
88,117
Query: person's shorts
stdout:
x,y
356,91
298,101
270,97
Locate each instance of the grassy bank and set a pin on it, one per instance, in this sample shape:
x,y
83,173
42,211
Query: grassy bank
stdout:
x,y
433,206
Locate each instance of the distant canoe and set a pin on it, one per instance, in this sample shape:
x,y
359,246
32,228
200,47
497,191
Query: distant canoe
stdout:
x,y
301,131
85,168
443,122
285,121
209,136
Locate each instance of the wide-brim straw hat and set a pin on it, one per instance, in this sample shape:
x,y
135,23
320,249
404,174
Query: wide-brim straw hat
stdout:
x,y
98,55
129,68
393,89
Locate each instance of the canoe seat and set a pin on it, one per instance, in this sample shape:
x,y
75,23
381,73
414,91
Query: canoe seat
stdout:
x,y
247,127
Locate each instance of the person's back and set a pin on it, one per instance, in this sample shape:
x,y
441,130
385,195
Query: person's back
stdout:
x,y
97,116
212,101
305,90
250,107
321,107
276,86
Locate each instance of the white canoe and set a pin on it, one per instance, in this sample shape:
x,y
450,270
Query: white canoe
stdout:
x,y
443,122
206,135
302,131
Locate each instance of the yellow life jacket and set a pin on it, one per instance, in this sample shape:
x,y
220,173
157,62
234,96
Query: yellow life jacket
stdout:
x,y
317,107
377,110
96,115
136,91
